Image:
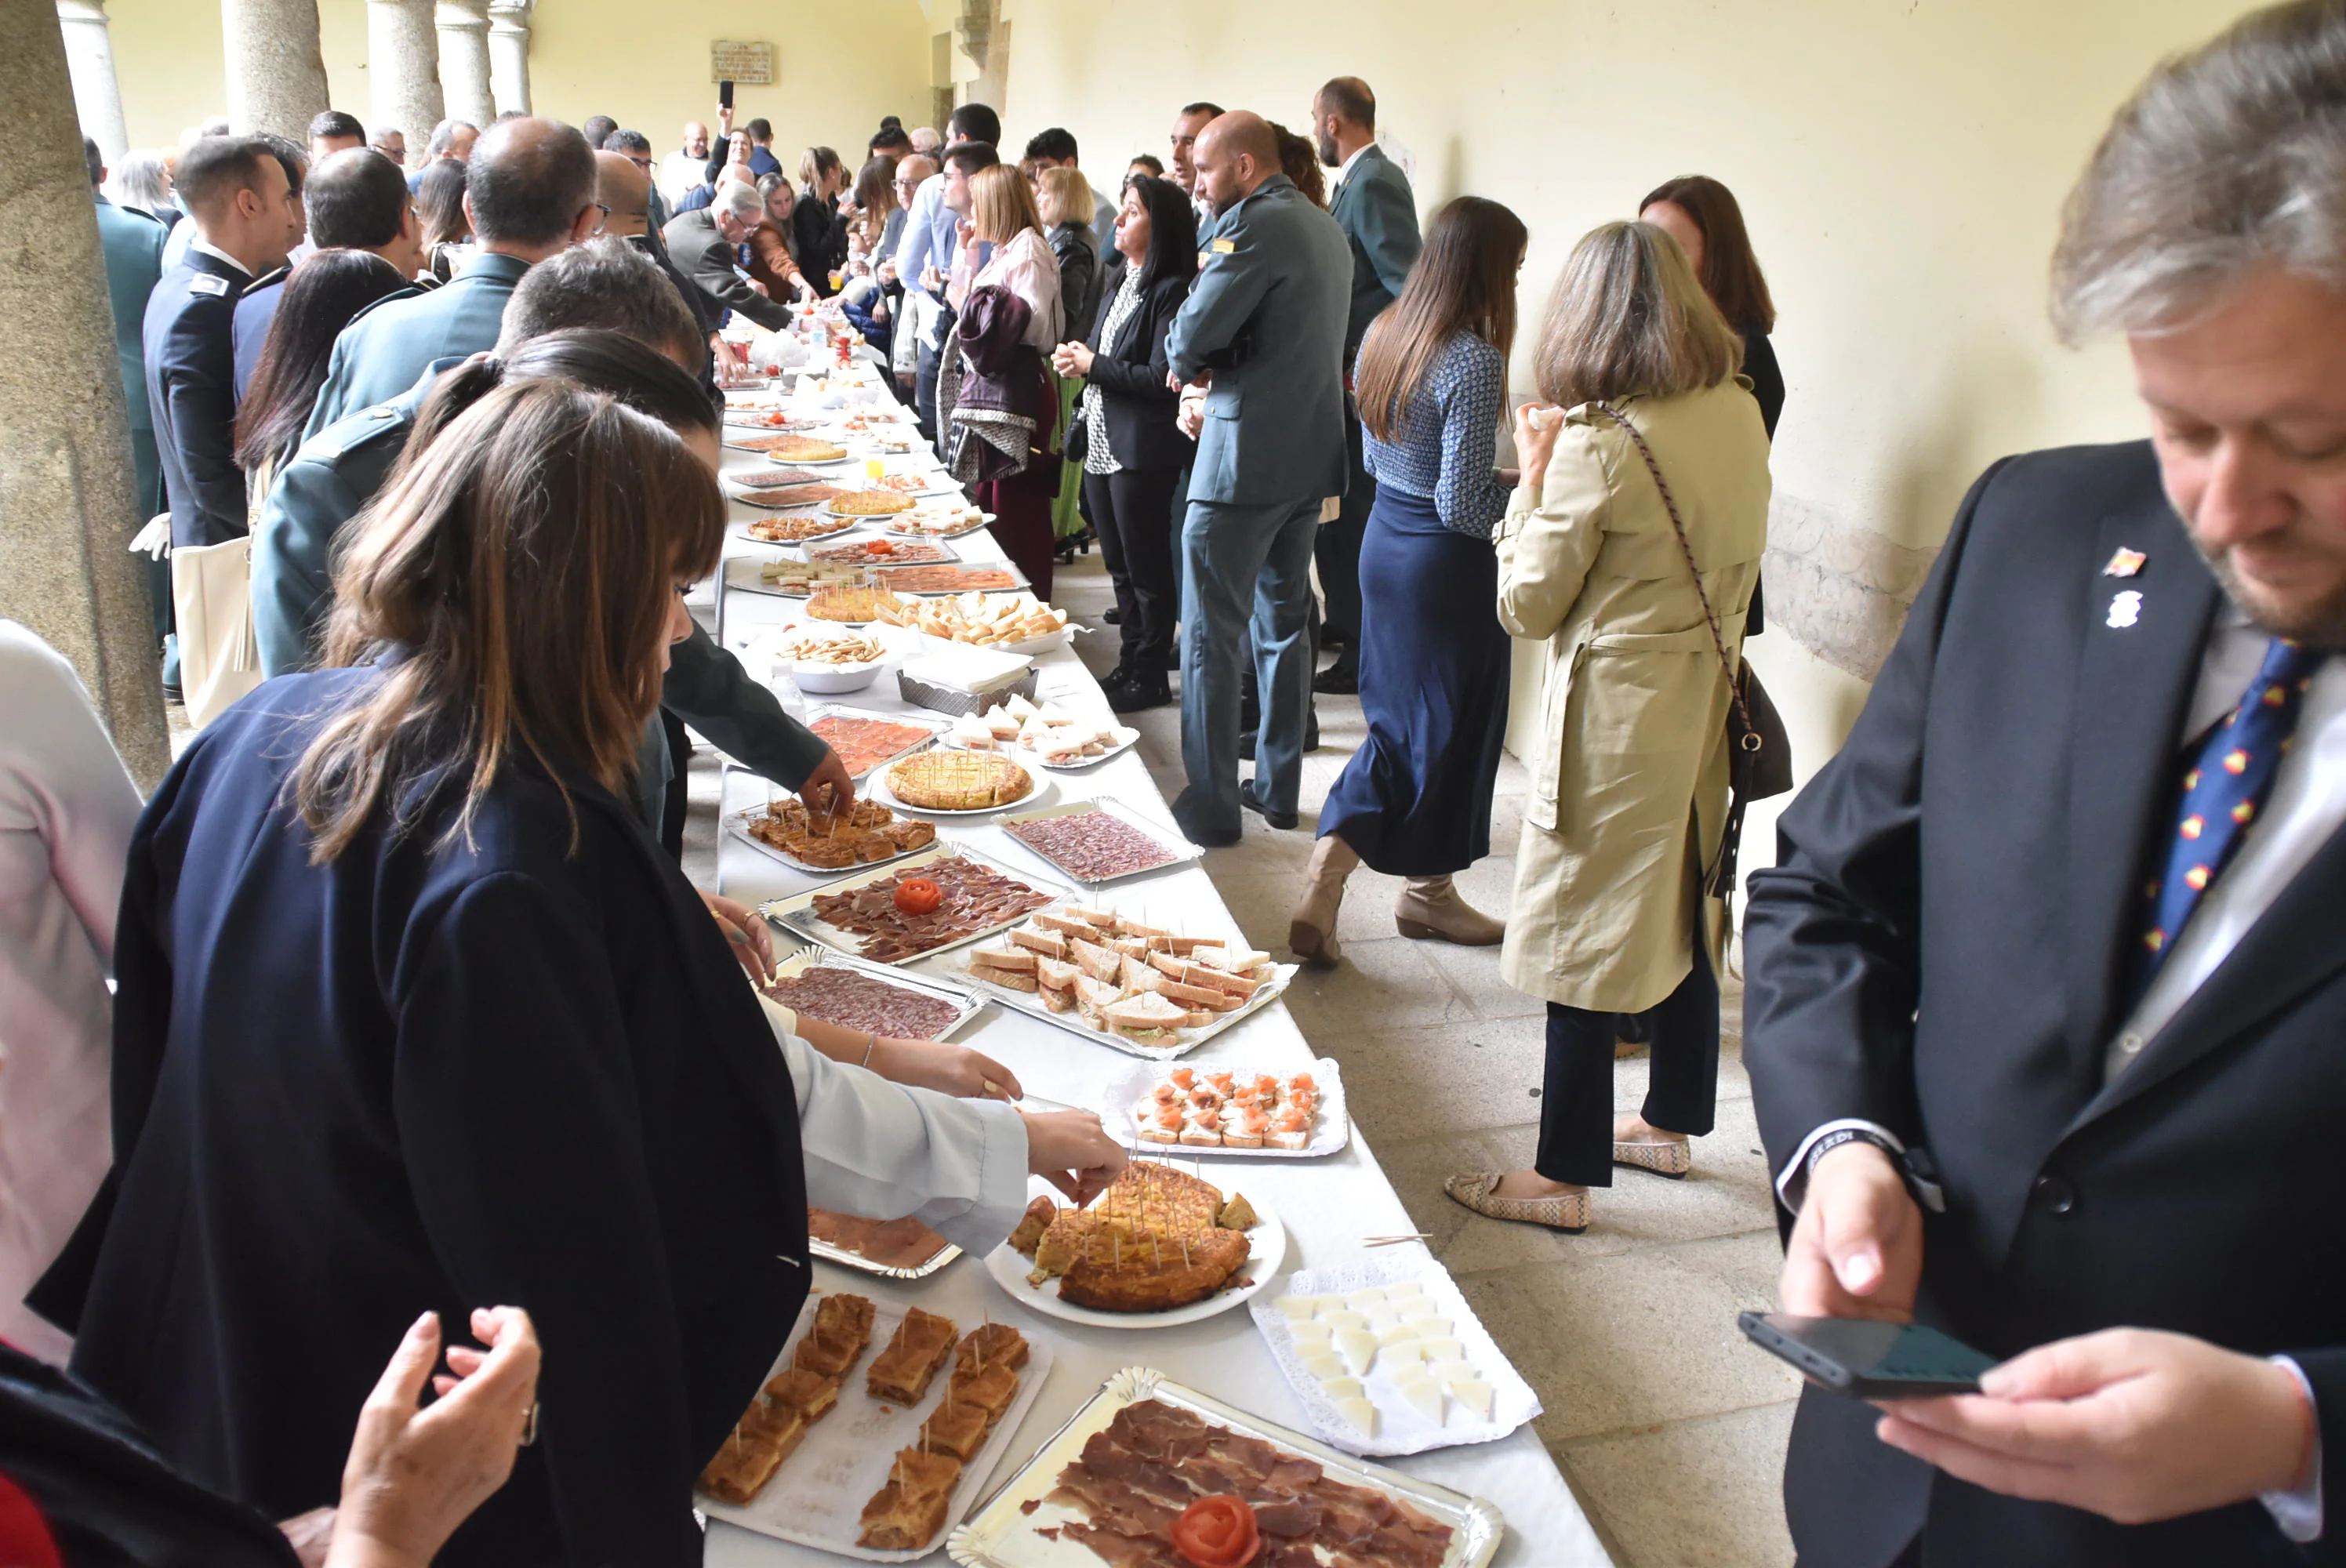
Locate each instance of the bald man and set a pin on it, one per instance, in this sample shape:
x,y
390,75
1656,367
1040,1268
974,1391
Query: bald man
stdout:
x,y
624,185
529,194
1263,332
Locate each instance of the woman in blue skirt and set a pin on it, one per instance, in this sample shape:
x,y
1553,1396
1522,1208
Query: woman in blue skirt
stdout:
x,y
1431,381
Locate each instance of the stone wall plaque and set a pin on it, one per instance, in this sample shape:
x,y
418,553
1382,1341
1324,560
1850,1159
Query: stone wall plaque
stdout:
x,y
752,64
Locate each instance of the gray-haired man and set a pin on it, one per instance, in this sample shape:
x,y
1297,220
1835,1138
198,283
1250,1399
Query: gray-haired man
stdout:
x,y
2047,989
705,243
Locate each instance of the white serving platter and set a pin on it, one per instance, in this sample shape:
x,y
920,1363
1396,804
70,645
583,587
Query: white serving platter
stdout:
x,y
876,789
1129,737
1267,1240
1331,1130
1179,849
1401,1429
1003,1533
796,913
817,1498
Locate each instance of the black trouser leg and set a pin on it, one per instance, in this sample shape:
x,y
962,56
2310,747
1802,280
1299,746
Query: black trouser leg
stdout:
x,y
1142,500
924,392
1107,523
1337,549
1576,1143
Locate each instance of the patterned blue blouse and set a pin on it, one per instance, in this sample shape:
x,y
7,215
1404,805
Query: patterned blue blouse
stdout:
x,y
1447,452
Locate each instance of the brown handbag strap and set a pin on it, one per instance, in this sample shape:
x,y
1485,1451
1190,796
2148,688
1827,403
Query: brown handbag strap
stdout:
x,y
1678,525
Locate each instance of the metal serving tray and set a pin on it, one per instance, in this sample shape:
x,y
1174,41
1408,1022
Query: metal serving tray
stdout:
x,y
1002,1533
1182,851
796,913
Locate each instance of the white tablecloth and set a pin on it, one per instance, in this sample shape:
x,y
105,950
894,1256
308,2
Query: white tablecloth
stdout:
x,y
1328,1206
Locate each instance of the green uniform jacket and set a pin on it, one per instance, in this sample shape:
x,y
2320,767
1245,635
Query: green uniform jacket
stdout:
x,y
388,345
1267,317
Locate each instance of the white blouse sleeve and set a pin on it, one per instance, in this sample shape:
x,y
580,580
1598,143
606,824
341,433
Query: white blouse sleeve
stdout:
x,y
885,1151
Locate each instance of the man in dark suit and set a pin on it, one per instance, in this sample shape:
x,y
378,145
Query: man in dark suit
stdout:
x,y
529,191
2047,989
246,218
1265,325
355,199
705,245
1373,204
132,243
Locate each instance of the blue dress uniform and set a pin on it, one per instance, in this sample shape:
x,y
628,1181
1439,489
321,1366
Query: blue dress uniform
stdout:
x,y
337,472
1267,316
190,337
132,242
390,343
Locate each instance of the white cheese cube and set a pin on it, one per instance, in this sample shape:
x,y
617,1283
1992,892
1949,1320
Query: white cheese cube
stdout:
x,y
1310,1336
1419,1307
1341,1387
1342,1320
1444,1350
1357,1414
1326,1365
1407,1352
1297,1308
1402,1292
1399,1333
1359,1299
1358,1349
1425,1396
1451,1371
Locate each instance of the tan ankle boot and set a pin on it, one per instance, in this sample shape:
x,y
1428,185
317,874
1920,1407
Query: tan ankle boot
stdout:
x,y
1430,908
1312,925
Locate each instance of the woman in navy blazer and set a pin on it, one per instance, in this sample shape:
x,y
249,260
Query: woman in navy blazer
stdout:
x,y
1125,435
413,1010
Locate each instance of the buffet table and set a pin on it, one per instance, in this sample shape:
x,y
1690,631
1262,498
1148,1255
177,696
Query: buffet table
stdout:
x,y
1330,1206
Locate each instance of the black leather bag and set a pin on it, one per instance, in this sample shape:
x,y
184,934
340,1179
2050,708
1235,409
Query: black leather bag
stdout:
x,y
1759,752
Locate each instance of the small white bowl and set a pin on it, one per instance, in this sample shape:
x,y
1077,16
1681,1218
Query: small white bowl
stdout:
x,y
830,679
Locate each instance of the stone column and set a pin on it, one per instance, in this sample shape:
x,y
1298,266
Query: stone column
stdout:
x,y
403,63
66,506
89,56
464,60
276,74
509,53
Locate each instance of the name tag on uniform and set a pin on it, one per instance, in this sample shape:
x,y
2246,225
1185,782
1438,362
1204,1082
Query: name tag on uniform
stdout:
x,y
206,283
1223,246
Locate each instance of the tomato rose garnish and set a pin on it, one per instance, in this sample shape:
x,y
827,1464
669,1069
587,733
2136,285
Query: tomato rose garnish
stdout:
x,y
1217,1532
919,896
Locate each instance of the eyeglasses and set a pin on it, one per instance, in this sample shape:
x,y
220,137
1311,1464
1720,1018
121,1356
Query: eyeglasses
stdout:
x,y
605,220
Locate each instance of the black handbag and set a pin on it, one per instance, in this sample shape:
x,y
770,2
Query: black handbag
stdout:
x,y
1758,752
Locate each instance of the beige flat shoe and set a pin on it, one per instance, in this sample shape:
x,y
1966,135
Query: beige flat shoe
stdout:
x,y
1312,924
1430,909
1568,1212
1664,1159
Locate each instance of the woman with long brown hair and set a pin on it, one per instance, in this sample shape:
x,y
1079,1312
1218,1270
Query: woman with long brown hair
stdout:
x,y
1630,550
413,1009
1707,221
1431,381
322,294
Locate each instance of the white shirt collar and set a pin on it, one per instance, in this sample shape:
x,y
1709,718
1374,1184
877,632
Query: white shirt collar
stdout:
x,y
209,248
1345,169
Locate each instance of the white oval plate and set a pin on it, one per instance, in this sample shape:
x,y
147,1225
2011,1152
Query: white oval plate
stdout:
x,y
876,789
1010,1269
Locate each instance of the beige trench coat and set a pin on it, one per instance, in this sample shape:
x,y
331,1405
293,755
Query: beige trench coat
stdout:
x,y
1627,800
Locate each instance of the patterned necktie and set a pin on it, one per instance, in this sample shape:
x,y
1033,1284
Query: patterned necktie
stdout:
x,y
2222,793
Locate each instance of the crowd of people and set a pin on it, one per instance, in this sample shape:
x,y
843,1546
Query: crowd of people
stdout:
x,y
413,1009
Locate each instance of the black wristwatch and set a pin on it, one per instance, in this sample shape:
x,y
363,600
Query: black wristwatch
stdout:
x,y
1915,1166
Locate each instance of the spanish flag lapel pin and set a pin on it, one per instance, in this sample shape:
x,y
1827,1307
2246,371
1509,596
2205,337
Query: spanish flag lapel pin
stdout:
x,y
2123,563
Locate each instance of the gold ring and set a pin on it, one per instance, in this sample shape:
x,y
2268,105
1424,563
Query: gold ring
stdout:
x,y
994,1090
529,1425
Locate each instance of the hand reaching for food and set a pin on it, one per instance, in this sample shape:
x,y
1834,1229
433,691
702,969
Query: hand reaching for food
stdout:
x,y
954,1070
1070,1150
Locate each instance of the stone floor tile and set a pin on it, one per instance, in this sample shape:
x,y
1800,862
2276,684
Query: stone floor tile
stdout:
x,y
1474,971
1639,1336
1461,1077
1380,986
1701,1493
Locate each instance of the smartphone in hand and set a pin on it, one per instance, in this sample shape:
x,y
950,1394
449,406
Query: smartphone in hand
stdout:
x,y
725,95
1867,1359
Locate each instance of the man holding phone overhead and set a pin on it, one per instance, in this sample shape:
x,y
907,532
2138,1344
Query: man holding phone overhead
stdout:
x,y
2047,1008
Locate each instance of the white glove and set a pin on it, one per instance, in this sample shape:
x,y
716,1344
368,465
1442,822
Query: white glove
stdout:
x,y
153,541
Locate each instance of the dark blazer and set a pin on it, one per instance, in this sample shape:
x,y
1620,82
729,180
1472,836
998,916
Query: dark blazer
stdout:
x,y
1944,949
518,1067
1378,213
190,343
818,240
106,1496
133,246
255,309
1138,406
703,255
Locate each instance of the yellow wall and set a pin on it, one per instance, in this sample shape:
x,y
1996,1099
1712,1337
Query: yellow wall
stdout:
x,y
1901,163
840,68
